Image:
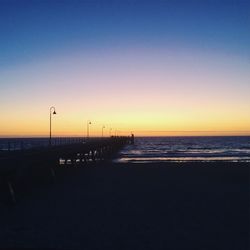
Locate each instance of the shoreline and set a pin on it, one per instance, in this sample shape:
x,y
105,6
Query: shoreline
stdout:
x,y
122,161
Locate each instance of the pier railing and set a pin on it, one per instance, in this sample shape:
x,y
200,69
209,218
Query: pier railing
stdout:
x,y
13,144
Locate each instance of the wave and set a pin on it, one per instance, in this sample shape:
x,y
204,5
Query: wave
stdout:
x,y
188,149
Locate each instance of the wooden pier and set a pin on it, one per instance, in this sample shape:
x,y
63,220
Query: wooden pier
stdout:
x,y
17,168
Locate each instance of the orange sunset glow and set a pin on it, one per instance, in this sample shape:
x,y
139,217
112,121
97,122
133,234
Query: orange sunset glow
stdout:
x,y
147,97
160,88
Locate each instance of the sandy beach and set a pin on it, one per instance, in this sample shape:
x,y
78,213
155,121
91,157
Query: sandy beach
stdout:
x,y
134,206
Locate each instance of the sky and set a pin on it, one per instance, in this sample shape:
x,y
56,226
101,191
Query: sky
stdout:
x,y
173,67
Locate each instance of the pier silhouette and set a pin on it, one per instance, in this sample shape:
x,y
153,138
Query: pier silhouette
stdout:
x,y
29,165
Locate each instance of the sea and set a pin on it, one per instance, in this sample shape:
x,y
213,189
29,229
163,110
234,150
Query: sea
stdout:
x,y
187,149
158,149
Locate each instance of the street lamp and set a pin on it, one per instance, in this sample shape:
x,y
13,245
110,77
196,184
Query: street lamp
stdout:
x,y
50,113
103,127
88,123
110,132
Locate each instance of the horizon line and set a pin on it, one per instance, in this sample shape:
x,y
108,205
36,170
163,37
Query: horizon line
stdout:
x,y
78,136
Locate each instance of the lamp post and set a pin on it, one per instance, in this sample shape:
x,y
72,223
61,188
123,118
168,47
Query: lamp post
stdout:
x,y
50,115
103,127
110,132
88,123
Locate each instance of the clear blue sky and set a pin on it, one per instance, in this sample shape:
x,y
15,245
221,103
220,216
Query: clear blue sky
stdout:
x,y
100,44
36,28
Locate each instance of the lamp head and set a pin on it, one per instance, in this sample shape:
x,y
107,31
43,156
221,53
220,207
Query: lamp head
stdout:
x,y
54,113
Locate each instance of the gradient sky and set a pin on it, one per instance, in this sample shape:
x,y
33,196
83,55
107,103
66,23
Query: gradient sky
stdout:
x,y
151,67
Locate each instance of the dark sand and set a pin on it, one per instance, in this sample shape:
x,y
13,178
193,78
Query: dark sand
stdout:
x,y
141,206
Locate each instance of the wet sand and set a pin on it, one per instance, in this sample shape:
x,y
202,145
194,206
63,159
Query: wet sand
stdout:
x,y
134,206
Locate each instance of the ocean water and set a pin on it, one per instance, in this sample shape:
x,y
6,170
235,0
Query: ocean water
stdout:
x,y
185,149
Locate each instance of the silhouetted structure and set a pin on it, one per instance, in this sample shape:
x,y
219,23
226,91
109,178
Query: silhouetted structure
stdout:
x,y
132,139
32,164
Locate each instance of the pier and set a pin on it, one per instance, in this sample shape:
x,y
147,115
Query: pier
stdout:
x,y
31,166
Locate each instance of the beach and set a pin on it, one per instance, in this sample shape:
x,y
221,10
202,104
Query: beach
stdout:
x,y
108,205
